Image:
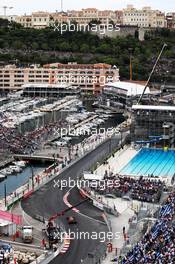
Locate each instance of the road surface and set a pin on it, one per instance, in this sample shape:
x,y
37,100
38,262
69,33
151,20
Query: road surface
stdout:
x,y
49,200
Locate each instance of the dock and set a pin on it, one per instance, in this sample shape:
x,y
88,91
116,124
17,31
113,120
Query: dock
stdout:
x,y
58,106
36,158
6,162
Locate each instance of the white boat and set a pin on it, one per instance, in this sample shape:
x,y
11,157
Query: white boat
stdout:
x,y
67,139
99,121
2,176
3,171
20,163
72,120
16,168
94,125
8,171
60,143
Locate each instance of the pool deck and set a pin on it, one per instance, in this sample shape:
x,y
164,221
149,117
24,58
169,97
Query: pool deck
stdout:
x,y
121,158
116,163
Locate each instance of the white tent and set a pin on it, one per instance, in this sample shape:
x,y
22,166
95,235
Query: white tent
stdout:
x,y
7,227
90,177
132,89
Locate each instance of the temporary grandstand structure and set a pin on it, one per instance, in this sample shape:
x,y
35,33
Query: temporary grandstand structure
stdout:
x,y
153,124
128,89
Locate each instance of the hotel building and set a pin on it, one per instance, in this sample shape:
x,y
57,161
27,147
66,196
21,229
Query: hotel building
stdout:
x,y
146,17
170,18
90,78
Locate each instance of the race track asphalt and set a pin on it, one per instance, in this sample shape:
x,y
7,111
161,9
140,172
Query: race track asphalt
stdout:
x,y
48,200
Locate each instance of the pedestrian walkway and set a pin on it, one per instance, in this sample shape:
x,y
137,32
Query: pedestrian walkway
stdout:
x,y
116,162
117,224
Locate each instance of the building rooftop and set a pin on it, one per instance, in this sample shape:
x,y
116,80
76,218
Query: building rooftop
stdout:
x,y
47,85
132,89
154,107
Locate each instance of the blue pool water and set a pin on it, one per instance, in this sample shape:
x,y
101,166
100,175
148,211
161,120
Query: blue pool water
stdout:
x,y
151,161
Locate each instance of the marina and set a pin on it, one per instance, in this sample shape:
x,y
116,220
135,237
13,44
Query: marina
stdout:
x,y
14,180
32,117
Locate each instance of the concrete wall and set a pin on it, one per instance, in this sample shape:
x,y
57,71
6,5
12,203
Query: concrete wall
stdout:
x,y
123,32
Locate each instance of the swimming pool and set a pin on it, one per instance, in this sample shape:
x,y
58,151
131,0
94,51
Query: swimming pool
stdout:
x,y
151,161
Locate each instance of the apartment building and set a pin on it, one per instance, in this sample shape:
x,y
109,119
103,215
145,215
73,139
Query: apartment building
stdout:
x,y
58,17
170,18
42,19
25,21
146,17
91,78
87,15
37,20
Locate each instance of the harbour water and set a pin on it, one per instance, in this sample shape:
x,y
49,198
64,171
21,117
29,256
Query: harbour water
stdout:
x,y
14,181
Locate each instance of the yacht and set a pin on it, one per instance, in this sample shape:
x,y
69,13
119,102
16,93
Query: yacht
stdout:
x,y
72,120
20,163
2,177
67,139
16,168
7,171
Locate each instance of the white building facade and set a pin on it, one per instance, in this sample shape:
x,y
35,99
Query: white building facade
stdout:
x,y
145,17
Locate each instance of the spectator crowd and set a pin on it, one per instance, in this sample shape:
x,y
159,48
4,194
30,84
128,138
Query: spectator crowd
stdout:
x,y
145,190
12,141
158,244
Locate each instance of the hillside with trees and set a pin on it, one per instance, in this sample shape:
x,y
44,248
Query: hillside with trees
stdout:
x,y
28,46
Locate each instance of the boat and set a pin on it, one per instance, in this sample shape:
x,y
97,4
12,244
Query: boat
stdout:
x,y
99,121
99,111
7,171
16,168
66,139
72,120
95,104
2,177
20,163
60,143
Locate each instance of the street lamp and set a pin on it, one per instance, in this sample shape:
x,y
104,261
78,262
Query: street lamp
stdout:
x,y
5,9
130,63
5,194
32,175
61,5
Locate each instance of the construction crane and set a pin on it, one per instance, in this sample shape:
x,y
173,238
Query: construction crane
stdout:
x,y
153,69
5,9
